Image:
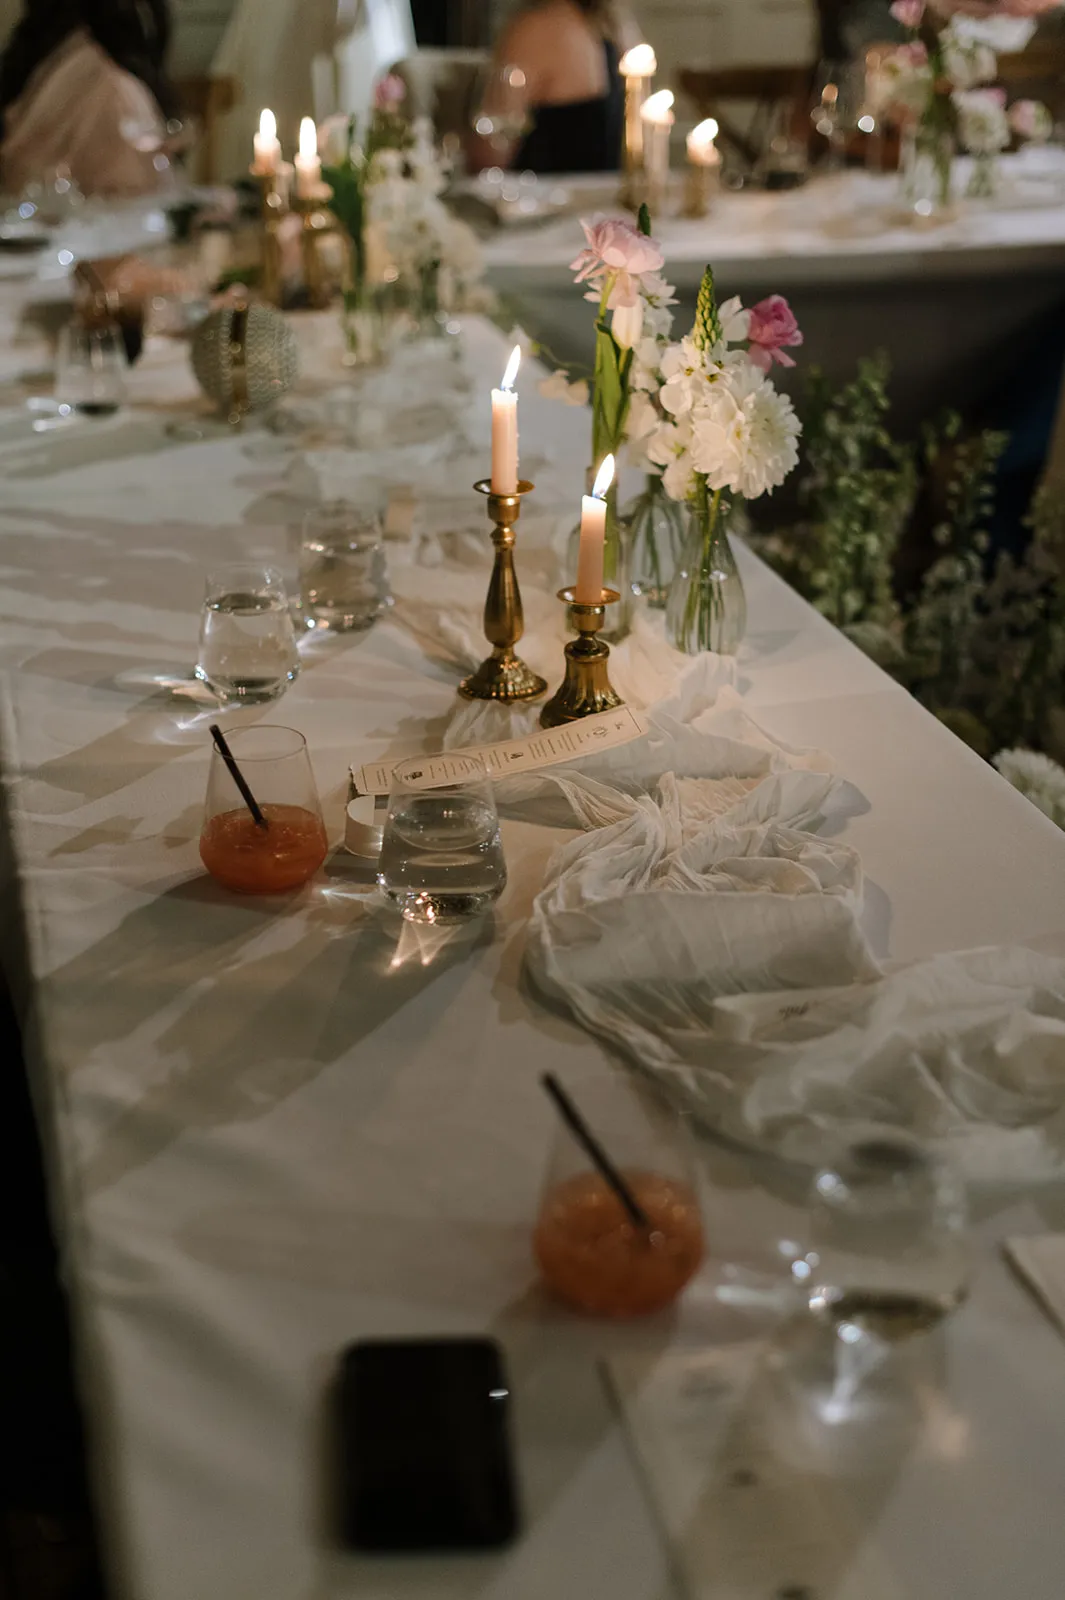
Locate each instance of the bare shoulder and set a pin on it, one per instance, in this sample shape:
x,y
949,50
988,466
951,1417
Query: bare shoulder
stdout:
x,y
538,27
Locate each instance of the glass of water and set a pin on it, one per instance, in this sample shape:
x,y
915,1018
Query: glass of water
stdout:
x,y
442,858
343,583
90,375
247,642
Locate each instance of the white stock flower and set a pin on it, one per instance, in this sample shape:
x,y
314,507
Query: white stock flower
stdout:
x,y
968,61
735,322
657,321
643,417
678,479
645,372
983,125
685,369
1041,780
558,387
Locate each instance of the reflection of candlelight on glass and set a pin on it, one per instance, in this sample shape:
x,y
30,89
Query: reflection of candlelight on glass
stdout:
x,y
704,168
505,430
638,67
588,590
267,146
308,165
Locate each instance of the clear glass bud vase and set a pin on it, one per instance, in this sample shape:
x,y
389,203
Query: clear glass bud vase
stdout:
x,y
926,168
615,565
657,528
707,607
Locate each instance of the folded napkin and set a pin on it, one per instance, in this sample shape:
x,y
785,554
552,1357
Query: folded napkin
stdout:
x,y
1040,1260
703,925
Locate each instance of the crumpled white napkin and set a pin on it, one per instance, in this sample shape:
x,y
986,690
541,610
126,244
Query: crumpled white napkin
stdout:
x,y
701,924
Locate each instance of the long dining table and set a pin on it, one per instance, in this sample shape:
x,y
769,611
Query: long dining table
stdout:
x,y
277,1129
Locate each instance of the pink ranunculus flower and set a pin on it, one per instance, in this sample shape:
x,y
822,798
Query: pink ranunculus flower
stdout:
x,y
773,327
390,92
618,254
1030,119
909,13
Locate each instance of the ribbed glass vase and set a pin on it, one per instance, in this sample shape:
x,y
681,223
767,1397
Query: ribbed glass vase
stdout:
x,y
707,607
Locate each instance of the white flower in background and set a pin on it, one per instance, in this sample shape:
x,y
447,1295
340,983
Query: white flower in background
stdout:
x,y
1038,778
903,80
1031,121
968,61
983,126
334,139
558,387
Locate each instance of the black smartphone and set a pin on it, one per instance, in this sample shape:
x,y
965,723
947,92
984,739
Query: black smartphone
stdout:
x,y
425,1461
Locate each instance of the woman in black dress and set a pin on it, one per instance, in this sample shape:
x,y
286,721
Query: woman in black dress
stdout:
x,y
563,56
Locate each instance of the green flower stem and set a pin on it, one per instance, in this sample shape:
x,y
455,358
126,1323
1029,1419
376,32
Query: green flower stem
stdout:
x,y
707,510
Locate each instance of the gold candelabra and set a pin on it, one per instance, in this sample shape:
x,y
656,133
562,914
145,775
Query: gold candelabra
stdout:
x,y
503,676
274,205
702,183
586,689
634,179
319,225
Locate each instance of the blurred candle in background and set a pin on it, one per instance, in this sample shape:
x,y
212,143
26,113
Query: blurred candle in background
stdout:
x,y
267,147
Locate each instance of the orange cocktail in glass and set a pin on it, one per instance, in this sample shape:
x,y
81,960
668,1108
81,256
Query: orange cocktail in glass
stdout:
x,y
596,1259
235,849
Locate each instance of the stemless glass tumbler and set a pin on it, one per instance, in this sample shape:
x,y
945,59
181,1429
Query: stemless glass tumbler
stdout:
x,y
442,858
343,584
289,849
90,375
589,1251
247,642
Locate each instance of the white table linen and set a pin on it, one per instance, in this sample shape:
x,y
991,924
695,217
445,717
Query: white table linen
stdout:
x,y
277,1132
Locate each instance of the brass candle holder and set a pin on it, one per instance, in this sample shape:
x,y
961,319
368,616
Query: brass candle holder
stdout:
x,y
701,184
504,676
586,689
274,206
319,225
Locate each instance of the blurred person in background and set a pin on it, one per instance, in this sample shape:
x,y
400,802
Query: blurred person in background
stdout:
x,y
556,68
83,87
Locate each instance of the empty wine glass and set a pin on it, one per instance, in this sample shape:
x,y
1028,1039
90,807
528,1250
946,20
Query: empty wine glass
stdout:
x,y
343,583
442,858
886,1258
502,116
90,373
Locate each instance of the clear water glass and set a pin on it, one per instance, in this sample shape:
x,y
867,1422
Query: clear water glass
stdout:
x,y
343,580
90,375
247,642
442,857
888,1249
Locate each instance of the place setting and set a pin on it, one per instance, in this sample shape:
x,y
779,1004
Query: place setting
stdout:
x,y
532,732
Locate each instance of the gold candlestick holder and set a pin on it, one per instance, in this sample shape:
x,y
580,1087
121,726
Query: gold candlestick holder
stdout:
x,y
701,184
319,225
634,180
586,689
504,676
274,207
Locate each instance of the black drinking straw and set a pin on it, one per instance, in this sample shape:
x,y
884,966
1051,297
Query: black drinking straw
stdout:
x,y
238,777
590,1144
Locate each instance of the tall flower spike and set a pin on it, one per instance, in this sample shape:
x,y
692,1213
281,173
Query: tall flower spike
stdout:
x,y
707,330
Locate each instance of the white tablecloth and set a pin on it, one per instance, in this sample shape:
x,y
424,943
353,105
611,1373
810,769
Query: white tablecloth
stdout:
x,y
279,1132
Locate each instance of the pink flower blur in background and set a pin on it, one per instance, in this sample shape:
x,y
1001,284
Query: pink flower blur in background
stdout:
x,y
773,329
908,12
390,92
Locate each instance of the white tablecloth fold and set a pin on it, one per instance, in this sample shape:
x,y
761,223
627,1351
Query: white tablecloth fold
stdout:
x,y
703,925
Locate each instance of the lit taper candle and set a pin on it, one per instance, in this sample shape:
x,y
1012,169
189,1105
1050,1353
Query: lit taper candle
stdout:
x,y
505,430
588,590
267,146
308,165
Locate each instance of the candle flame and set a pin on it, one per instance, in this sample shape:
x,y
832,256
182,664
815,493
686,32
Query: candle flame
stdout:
x,y
704,134
603,478
267,125
639,62
512,369
308,139
658,107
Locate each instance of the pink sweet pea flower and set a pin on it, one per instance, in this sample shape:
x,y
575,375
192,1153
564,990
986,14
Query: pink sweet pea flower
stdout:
x,y
994,8
390,92
617,255
773,326
910,13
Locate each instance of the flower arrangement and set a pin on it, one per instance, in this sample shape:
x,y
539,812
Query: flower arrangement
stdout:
x,y
937,84
387,197
1039,779
726,432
